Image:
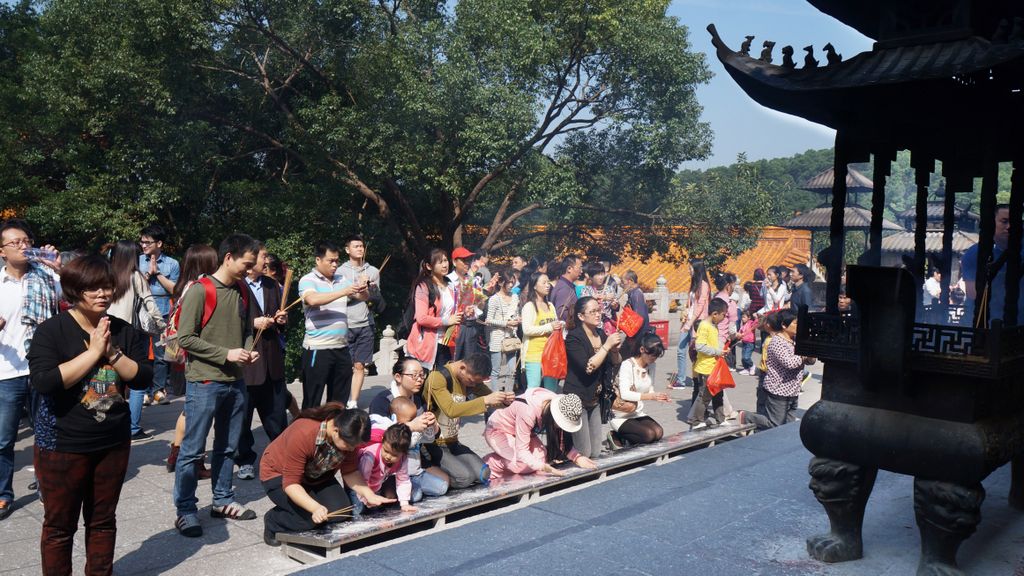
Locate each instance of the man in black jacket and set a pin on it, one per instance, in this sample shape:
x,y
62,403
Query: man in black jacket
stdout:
x,y
802,296
264,379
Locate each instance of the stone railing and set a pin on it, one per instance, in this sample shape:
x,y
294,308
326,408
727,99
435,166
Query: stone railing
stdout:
x,y
662,299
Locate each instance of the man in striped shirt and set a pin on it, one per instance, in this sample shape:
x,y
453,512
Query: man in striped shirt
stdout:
x,y
326,360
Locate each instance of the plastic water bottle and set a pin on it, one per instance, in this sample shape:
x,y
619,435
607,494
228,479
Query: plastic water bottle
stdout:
x,y
38,254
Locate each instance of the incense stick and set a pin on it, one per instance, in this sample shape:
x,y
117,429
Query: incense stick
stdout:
x,y
297,300
287,287
256,340
384,263
346,511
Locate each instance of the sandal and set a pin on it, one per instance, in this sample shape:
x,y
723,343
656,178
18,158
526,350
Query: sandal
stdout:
x,y
233,511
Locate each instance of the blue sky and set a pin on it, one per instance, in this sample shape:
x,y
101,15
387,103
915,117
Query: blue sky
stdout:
x,y
740,124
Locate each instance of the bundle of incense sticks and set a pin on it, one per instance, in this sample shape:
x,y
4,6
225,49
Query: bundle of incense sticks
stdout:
x,y
284,295
341,512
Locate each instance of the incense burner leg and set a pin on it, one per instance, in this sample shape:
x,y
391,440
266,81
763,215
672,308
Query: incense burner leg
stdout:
x,y
1017,482
843,490
947,514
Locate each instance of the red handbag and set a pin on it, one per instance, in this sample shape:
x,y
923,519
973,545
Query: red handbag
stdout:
x,y
630,322
720,377
553,363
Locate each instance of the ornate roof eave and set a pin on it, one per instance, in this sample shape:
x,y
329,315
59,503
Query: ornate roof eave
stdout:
x,y
822,94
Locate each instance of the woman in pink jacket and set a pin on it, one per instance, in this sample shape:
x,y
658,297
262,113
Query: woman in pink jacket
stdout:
x,y
435,312
518,450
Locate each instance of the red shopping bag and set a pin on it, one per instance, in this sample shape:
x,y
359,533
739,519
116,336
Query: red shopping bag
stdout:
x,y
720,377
630,322
553,363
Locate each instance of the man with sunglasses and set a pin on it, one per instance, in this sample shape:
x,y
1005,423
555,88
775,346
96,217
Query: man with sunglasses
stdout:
x,y
29,294
162,272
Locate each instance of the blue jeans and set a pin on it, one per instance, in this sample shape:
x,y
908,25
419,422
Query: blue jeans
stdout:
x,y
135,398
748,352
220,405
14,397
160,368
503,376
534,377
426,484
683,358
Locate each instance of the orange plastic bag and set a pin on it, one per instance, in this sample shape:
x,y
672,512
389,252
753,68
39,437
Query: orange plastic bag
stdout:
x,y
630,322
720,377
553,363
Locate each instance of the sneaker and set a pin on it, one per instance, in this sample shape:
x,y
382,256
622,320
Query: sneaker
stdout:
x,y
269,538
677,385
352,405
6,508
711,422
189,526
160,397
146,400
141,436
697,425
246,472
233,511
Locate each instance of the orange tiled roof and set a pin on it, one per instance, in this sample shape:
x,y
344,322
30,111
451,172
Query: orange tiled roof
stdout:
x,y
776,246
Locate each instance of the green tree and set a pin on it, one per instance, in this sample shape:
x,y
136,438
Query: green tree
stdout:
x,y
723,213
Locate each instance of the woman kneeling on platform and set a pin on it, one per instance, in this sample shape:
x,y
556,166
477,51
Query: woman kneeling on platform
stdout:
x,y
298,470
634,427
511,433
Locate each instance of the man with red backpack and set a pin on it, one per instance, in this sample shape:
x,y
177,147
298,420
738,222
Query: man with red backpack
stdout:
x,y
217,342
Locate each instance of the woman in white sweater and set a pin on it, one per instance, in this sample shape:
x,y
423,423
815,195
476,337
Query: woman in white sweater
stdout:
x,y
502,320
539,322
635,385
130,288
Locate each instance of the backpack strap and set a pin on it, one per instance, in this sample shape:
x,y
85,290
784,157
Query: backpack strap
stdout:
x,y
447,378
443,371
209,300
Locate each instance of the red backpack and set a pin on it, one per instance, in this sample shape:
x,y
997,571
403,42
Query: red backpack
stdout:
x,y
173,352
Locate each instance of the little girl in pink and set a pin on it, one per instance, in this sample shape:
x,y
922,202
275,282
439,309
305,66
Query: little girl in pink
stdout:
x,y
378,461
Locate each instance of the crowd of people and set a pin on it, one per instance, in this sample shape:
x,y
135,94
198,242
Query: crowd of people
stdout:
x,y
87,340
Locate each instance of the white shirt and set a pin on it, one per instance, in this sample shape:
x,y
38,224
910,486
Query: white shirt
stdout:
x,y
13,355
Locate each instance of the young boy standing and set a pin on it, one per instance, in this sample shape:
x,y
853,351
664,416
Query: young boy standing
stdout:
x,y
215,390
709,349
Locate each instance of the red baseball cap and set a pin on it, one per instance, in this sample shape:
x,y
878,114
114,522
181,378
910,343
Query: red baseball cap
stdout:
x,y
461,253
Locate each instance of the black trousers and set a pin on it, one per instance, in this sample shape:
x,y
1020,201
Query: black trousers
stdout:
x,y
270,401
330,369
285,516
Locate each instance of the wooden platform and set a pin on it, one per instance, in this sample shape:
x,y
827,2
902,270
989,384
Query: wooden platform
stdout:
x,y
461,506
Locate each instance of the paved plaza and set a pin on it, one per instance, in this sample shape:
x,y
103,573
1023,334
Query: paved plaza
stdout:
x,y
147,542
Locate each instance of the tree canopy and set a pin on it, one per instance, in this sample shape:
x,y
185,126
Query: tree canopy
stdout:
x,y
410,121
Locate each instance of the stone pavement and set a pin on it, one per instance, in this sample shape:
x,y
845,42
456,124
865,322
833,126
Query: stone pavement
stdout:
x,y
147,542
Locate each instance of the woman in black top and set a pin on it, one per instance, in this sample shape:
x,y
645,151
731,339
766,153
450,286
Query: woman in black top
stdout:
x,y
81,362
592,357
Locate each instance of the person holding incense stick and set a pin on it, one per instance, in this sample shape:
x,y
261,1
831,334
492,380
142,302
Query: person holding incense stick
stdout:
x,y
215,392
264,379
362,333
299,470
326,358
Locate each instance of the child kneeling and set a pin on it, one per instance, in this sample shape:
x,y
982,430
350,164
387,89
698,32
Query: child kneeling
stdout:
x,y
382,461
433,482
